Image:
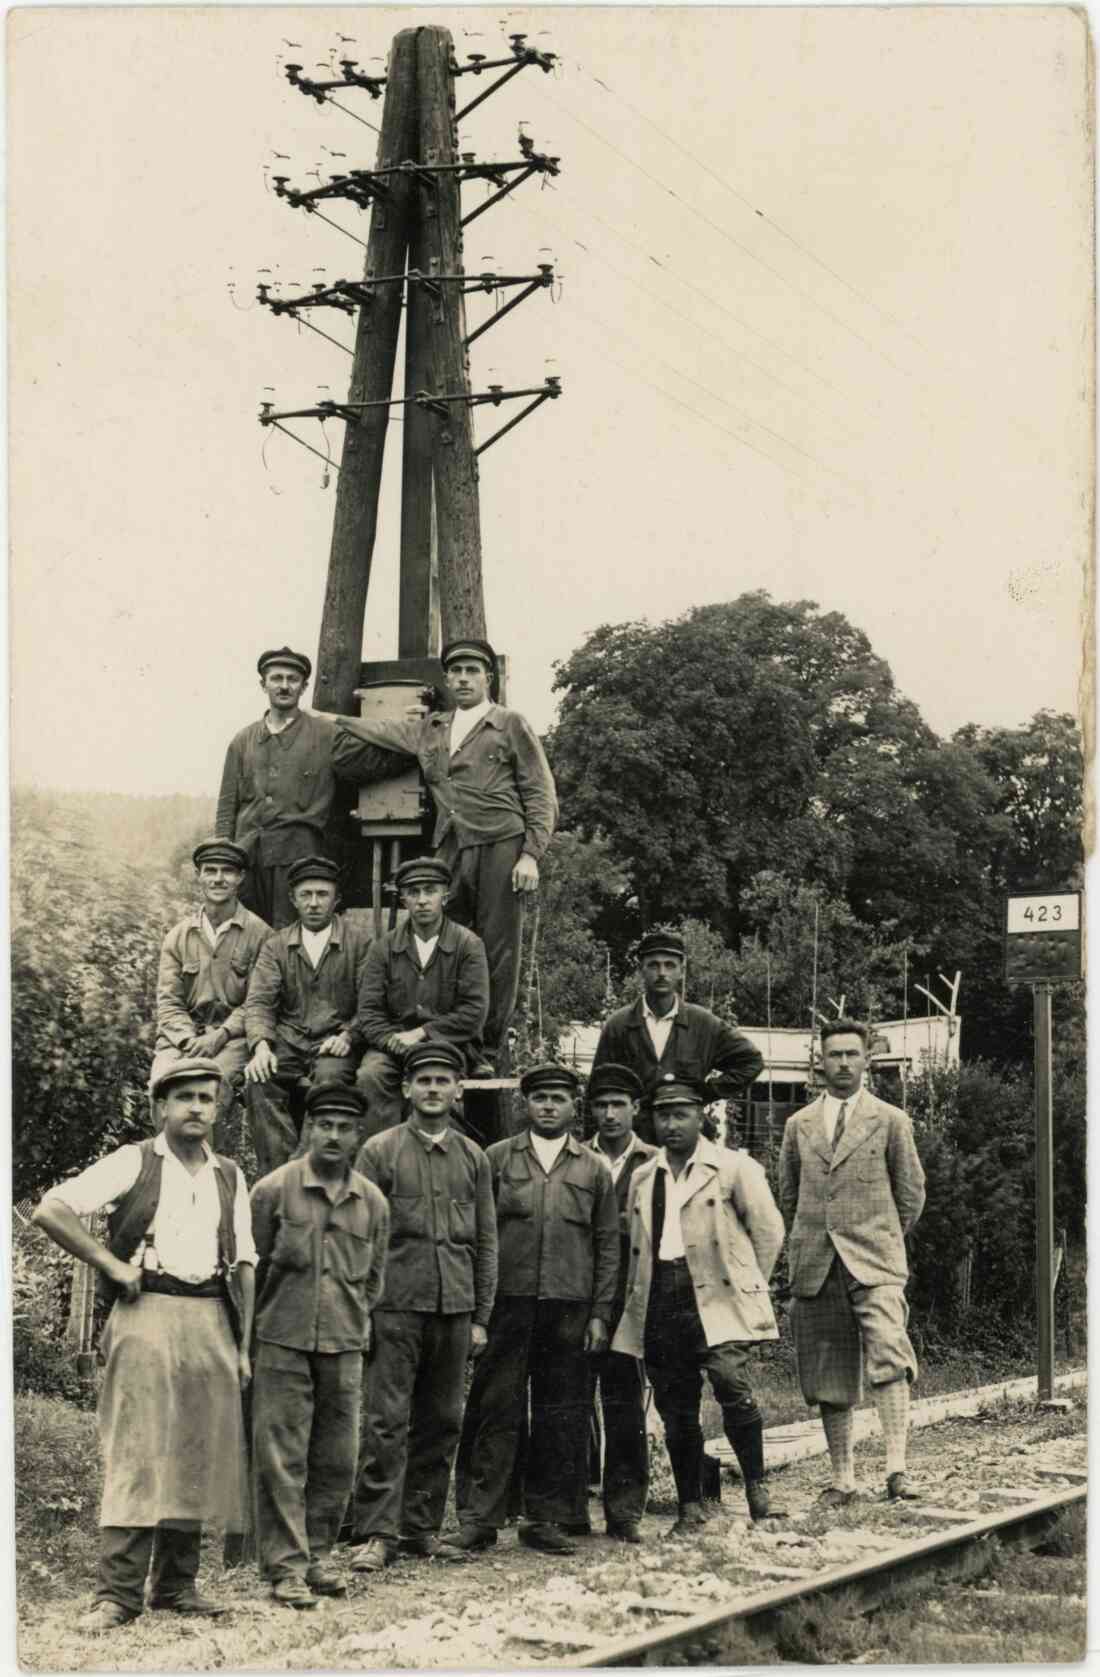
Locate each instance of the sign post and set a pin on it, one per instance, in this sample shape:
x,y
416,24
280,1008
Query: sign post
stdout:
x,y
1043,946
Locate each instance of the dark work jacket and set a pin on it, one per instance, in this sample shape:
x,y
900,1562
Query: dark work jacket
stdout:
x,y
449,997
698,1043
640,1152
276,790
290,998
129,1223
559,1234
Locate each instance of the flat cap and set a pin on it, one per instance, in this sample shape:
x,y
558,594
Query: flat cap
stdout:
x,y
336,1097
312,867
220,850
548,1076
180,1069
676,1091
468,647
422,870
283,655
610,1078
434,1052
661,943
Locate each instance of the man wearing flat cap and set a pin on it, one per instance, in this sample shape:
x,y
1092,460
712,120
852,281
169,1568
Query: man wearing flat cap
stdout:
x,y
495,803
178,1264
614,1101
558,1230
206,961
704,1236
277,785
427,980
662,1037
300,1011
441,1278
321,1232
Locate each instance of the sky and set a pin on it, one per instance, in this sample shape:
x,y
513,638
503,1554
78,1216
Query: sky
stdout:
x,y
823,328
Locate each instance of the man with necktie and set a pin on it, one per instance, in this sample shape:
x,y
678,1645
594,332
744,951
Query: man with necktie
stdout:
x,y
851,1179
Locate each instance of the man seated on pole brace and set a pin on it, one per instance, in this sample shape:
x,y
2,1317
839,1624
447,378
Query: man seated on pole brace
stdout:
x,y
496,808
427,980
704,1236
179,1264
851,1179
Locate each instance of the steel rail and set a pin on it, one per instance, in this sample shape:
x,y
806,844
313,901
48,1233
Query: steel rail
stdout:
x,y
708,1638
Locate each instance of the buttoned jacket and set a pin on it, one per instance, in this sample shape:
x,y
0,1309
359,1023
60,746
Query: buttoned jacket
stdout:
x,y
276,790
858,1202
289,997
698,1043
449,997
637,1157
199,988
558,1233
732,1234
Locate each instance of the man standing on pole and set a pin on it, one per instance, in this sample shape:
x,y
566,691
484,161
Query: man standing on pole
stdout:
x,y
496,809
851,1180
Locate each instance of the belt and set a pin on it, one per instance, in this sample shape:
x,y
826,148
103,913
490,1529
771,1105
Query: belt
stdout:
x,y
671,1263
156,1281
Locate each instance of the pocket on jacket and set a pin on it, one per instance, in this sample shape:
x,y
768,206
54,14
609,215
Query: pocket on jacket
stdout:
x,y
307,787
872,1164
516,1199
293,1247
463,1222
236,983
407,1215
355,1254
577,1200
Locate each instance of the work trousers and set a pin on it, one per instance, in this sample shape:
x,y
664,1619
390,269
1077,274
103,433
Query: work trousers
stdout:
x,y
169,1554
542,1339
411,1421
676,1356
482,899
266,892
305,1435
618,1380
276,1108
379,1078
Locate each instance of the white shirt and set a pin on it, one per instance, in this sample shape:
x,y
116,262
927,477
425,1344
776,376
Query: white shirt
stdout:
x,y
185,1227
465,721
831,1112
213,934
315,943
676,1192
616,1164
658,1025
425,948
547,1148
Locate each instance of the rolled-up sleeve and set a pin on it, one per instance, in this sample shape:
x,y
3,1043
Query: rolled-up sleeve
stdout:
x,y
100,1184
242,1222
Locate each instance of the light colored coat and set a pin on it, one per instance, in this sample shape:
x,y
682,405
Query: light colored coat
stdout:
x,y
858,1203
732,1236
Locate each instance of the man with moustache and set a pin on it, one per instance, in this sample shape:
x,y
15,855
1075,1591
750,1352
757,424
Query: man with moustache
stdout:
x,y
495,802
851,1186
663,1038
178,1263
704,1236
433,1315
427,980
322,1234
614,1102
206,961
558,1230
300,1011
277,785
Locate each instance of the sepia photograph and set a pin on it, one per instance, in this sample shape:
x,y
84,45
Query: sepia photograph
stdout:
x,y
551,668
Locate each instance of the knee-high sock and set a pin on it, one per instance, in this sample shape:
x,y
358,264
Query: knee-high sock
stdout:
x,y
838,1435
892,1402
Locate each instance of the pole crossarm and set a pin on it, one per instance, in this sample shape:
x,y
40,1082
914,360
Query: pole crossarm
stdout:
x,y
522,56
363,186
359,186
352,412
352,77
348,295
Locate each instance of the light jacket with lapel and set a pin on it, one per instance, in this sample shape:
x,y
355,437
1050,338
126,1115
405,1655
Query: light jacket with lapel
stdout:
x,y
858,1203
732,1235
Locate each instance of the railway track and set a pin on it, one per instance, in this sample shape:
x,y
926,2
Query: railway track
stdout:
x,y
715,1637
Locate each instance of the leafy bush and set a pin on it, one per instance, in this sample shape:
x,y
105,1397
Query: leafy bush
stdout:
x,y
58,1482
42,1361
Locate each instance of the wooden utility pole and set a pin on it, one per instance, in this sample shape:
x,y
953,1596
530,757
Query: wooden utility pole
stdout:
x,y
1044,1192
340,651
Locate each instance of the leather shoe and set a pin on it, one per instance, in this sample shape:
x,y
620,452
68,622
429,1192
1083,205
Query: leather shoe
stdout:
x,y
625,1530
192,1603
576,1528
898,1488
836,1498
326,1579
548,1537
105,1615
469,1540
760,1508
292,1591
423,1544
372,1556
690,1521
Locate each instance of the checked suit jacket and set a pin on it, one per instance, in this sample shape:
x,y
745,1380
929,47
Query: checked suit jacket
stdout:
x,y
858,1203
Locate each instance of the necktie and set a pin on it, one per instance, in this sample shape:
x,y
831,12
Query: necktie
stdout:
x,y
839,1131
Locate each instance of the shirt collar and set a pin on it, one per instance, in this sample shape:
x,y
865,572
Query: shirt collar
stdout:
x,y
660,1018
524,1140
430,1141
624,1155
160,1146
235,919
663,1164
404,935
475,712
295,934
285,729
310,1179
